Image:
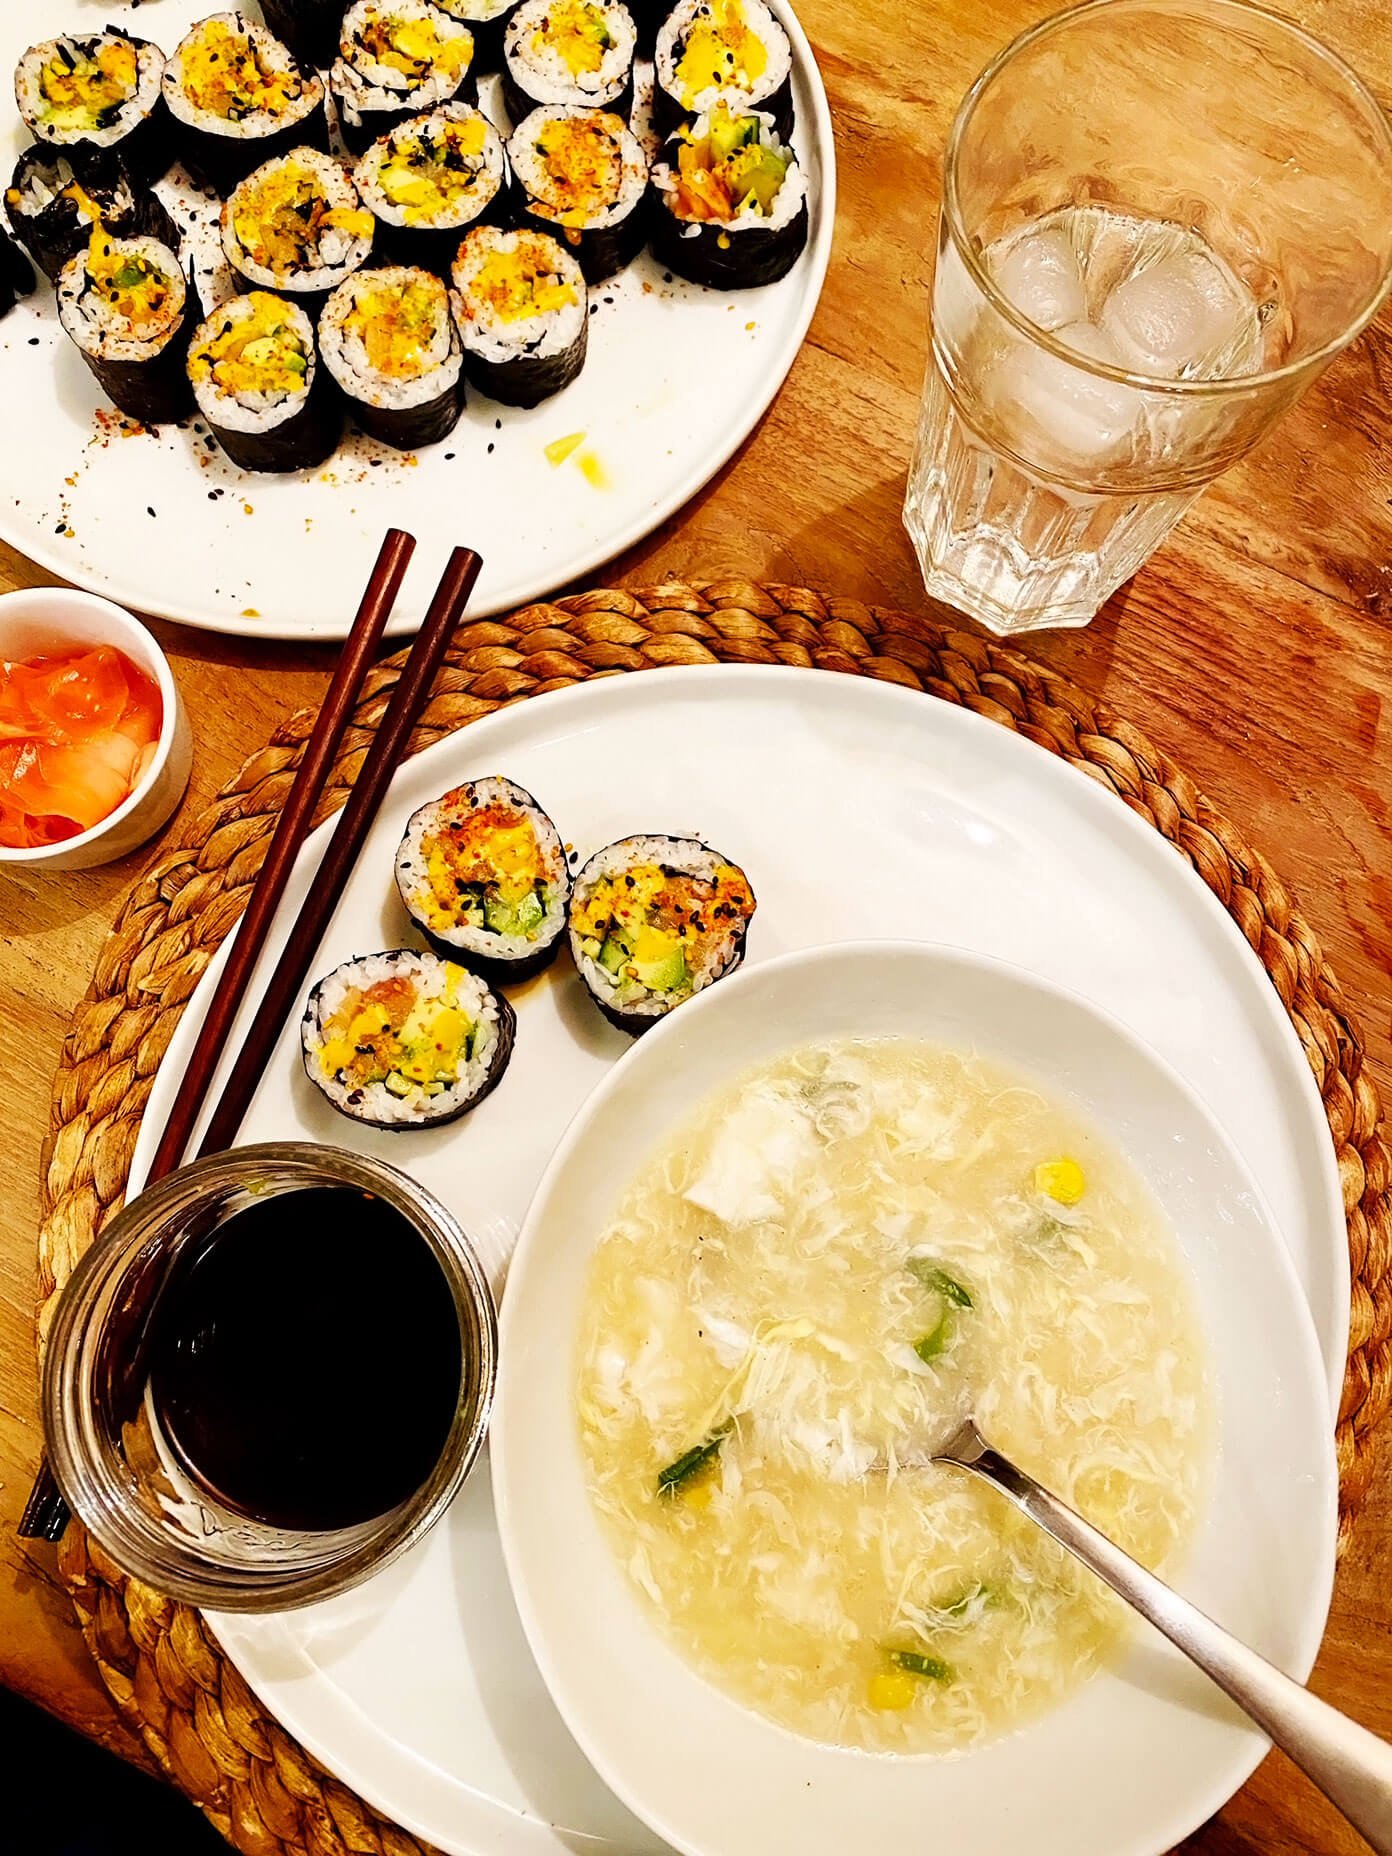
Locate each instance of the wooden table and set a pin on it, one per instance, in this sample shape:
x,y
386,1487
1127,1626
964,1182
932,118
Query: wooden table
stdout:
x,y
1256,647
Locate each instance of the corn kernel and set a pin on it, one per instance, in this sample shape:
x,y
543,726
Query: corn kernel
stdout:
x,y
892,1689
1062,1180
699,1495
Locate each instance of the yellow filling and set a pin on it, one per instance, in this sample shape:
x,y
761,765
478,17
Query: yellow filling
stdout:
x,y
258,351
584,160
520,282
227,74
417,48
427,172
484,858
384,1031
578,32
395,320
78,91
721,53
648,924
281,219
728,172
137,290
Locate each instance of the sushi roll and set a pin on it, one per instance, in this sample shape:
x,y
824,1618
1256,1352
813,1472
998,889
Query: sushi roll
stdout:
x,y
98,92
482,872
574,53
582,176
53,211
523,311
711,52
396,59
389,340
405,1040
238,97
487,20
16,274
258,383
731,203
126,305
429,181
308,27
653,921
297,226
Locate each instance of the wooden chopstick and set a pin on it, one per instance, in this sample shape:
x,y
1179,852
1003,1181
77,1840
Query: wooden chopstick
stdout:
x,y
46,1514
354,821
340,700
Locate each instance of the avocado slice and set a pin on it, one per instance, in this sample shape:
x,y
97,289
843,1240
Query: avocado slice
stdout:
x,y
669,974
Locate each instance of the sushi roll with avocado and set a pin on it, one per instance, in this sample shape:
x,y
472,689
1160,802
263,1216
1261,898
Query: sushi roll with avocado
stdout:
x,y
396,59
297,226
522,309
731,203
582,176
482,872
53,211
430,180
653,921
126,305
388,338
713,52
405,1040
258,383
84,94
487,20
308,27
238,97
574,53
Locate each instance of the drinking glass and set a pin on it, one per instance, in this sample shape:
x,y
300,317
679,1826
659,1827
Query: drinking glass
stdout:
x,y
1161,220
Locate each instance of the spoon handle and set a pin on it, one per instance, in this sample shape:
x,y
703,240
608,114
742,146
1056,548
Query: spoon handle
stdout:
x,y
1351,1766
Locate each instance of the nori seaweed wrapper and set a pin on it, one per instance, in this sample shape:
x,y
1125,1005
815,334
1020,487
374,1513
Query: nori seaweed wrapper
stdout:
x,y
302,442
17,277
218,162
750,257
358,136
526,379
308,27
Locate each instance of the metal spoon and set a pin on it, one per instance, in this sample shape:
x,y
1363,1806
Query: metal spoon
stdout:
x,y
1351,1766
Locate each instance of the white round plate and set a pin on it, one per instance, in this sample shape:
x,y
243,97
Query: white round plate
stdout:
x,y
675,379
1145,1751
856,807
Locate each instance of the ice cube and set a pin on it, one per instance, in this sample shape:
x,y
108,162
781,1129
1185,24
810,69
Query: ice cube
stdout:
x,y
1038,272
1182,317
1066,418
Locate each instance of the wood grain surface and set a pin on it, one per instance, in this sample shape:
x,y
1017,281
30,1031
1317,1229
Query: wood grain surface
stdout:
x,y
1256,647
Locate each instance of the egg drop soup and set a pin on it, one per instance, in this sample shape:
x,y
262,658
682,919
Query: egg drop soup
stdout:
x,y
828,1265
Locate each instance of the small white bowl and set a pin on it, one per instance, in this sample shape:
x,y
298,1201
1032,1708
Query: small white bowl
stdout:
x,y
53,618
1144,1752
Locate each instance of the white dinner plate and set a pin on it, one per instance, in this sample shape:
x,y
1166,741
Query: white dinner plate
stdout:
x,y
858,809
675,379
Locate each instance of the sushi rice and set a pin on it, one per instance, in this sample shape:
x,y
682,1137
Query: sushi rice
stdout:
x,y
405,1040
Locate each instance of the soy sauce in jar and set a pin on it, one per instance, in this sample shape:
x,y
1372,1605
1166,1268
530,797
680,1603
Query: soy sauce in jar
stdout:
x,y
306,1366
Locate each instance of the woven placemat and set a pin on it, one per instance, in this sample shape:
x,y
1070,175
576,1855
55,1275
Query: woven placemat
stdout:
x,y
166,1672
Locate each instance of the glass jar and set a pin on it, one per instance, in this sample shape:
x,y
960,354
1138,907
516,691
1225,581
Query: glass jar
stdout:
x,y
104,1440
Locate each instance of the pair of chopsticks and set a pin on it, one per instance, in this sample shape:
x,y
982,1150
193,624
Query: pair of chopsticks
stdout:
x,y
46,1514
